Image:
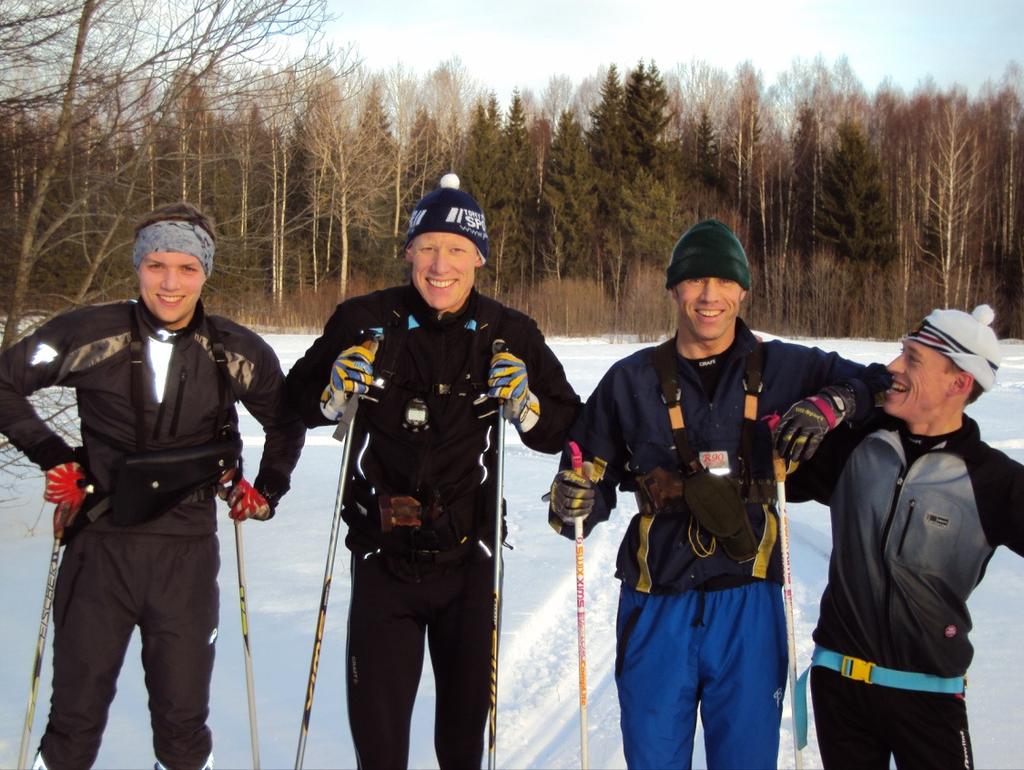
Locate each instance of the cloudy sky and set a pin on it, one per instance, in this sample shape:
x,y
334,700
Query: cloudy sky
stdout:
x,y
521,43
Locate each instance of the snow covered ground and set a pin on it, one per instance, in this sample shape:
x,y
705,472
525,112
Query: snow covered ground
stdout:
x,y
538,697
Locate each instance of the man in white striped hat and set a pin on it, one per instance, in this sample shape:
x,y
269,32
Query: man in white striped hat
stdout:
x,y
918,503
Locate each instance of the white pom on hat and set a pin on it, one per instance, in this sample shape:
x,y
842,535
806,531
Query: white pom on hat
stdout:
x,y
966,339
450,180
984,314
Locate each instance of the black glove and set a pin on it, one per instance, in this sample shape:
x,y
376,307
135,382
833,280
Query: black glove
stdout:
x,y
805,424
572,495
573,491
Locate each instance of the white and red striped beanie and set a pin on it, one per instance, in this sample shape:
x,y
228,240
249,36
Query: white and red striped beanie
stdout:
x,y
967,339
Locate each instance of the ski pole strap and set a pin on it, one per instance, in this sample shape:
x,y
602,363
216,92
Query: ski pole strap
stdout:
x,y
868,673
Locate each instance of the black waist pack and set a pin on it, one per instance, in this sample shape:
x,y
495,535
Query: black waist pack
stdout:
x,y
148,484
716,503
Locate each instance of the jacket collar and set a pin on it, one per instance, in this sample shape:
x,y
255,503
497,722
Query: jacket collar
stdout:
x,y
149,324
427,316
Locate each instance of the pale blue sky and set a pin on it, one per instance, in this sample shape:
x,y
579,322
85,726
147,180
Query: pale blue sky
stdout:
x,y
523,42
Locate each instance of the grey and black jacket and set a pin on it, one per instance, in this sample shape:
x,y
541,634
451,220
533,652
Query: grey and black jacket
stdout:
x,y
909,543
88,350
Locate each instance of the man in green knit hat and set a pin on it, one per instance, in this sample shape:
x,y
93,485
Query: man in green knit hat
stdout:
x,y
700,617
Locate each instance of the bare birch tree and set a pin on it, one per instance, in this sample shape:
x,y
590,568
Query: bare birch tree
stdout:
x,y
123,66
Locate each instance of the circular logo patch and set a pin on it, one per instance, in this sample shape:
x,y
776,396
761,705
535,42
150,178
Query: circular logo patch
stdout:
x,y
950,632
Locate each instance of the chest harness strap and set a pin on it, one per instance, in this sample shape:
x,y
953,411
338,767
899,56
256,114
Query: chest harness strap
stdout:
x,y
716,503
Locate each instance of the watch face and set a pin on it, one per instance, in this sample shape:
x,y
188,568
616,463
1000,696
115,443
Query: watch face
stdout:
x,y
416,415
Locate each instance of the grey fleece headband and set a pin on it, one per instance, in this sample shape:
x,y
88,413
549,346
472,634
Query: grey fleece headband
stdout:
x,y
175,236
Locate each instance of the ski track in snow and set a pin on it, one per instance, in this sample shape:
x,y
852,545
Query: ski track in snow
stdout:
x,y
538,693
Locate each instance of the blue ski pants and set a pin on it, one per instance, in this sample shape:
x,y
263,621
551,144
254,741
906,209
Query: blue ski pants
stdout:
x,y
722,650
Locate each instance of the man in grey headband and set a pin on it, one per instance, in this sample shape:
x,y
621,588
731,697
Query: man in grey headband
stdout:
x,y
156,382
170,235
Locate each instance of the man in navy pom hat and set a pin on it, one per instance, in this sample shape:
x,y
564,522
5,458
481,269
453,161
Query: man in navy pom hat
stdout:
x,y
700,621
919,503
420,502
449,210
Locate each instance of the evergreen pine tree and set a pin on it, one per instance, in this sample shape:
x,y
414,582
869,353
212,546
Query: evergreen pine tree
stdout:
x,y
481,170
568,200
516,203
374,146
607,140
705,162
806,180
645,116
854,216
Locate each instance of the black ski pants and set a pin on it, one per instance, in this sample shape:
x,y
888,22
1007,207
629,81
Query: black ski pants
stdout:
x,y
388,620
859,726
108,584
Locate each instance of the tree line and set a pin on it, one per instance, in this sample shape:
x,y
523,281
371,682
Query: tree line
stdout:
x,y
859,212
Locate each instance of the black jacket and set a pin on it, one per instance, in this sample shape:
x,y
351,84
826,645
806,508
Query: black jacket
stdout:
x,y
443,362
88,350
909,543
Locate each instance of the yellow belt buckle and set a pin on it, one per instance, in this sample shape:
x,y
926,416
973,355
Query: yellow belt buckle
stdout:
x,y
857,669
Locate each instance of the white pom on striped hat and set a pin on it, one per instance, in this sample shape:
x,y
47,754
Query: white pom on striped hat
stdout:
x,y
965,338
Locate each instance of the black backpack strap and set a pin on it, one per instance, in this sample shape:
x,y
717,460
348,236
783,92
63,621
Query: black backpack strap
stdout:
x,y
227,415
136,354
666,367
396,330
487,325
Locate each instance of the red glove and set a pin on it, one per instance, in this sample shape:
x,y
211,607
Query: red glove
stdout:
x,y
247,503
66,486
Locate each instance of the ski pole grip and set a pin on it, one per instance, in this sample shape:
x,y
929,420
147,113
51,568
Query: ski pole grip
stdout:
x,y
577,456
372,342
499,346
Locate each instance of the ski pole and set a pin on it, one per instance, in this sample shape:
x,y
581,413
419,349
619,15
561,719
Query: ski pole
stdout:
x,y
581,617
44,623
250,687
497,347
343,433
787,592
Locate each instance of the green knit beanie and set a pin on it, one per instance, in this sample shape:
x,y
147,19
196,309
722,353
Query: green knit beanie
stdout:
x,y
709,249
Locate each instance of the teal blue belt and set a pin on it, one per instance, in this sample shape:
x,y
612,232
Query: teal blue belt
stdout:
x,y
869,673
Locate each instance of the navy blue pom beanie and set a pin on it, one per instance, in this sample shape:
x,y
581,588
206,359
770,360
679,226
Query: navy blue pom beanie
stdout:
x,y
449,210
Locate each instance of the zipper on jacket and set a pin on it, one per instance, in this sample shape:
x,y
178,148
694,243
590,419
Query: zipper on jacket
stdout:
x,y
178,398
885,539
892,513
158,423
906,526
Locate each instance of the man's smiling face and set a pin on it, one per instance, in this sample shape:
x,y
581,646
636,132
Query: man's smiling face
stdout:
x,y
928,391
170,284
443,269
707,312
